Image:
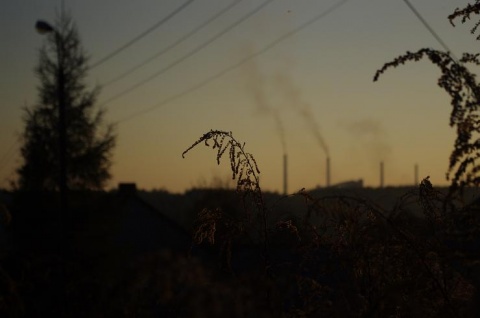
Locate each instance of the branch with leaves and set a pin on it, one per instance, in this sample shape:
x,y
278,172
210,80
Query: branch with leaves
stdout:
x,y
465,14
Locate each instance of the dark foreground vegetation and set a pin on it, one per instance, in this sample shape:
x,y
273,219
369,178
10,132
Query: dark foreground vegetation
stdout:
x,y
241,252
326,252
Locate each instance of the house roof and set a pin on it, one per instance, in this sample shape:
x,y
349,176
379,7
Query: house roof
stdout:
x,y
98,222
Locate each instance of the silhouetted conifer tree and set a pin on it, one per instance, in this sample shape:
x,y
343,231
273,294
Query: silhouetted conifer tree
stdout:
x,y
62,69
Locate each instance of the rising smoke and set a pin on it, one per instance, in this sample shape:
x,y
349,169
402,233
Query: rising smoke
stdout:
x,y
255,84
294,98
370,135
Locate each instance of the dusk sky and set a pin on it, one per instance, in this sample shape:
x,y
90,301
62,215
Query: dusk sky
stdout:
x,y
314,82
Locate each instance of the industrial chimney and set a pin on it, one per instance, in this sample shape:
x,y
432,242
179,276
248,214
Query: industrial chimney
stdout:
x,y
285,174
381,175
328,172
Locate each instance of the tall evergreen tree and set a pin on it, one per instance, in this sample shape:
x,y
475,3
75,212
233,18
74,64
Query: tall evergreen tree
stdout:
x,y
88,142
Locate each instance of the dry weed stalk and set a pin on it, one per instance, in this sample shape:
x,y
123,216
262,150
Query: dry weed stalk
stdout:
x,y
464,91
465,14
245,170
394,258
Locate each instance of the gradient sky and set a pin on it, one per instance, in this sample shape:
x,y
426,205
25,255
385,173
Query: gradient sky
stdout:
x,y
319,78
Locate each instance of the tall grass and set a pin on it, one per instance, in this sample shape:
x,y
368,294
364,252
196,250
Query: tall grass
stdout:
x,y
245,171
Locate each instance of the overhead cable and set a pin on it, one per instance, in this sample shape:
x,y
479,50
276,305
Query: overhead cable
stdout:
x,y
430,29
189,54
174,44
141,35
238,64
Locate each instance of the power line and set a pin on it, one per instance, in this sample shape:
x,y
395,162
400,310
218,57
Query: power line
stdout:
x,y
430,29
189,54
174,44
141,35
238,64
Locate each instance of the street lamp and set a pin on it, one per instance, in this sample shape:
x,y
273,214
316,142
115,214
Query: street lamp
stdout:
x,y
43,28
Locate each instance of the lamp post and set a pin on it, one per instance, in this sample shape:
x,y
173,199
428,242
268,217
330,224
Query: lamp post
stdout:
x,y
43,28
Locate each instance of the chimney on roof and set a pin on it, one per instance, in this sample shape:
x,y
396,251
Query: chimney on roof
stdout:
x,y
127,189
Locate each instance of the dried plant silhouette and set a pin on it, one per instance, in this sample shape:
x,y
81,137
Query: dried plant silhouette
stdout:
x,y
245,170
465,14
243,165
462,86
464,92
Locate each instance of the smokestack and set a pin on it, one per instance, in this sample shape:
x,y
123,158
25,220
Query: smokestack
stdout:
x,y
285,174
328,171
381,175
416,174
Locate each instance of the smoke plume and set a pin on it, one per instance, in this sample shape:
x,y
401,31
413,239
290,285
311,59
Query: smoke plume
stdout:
x,y
256,86
370,135
294,98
